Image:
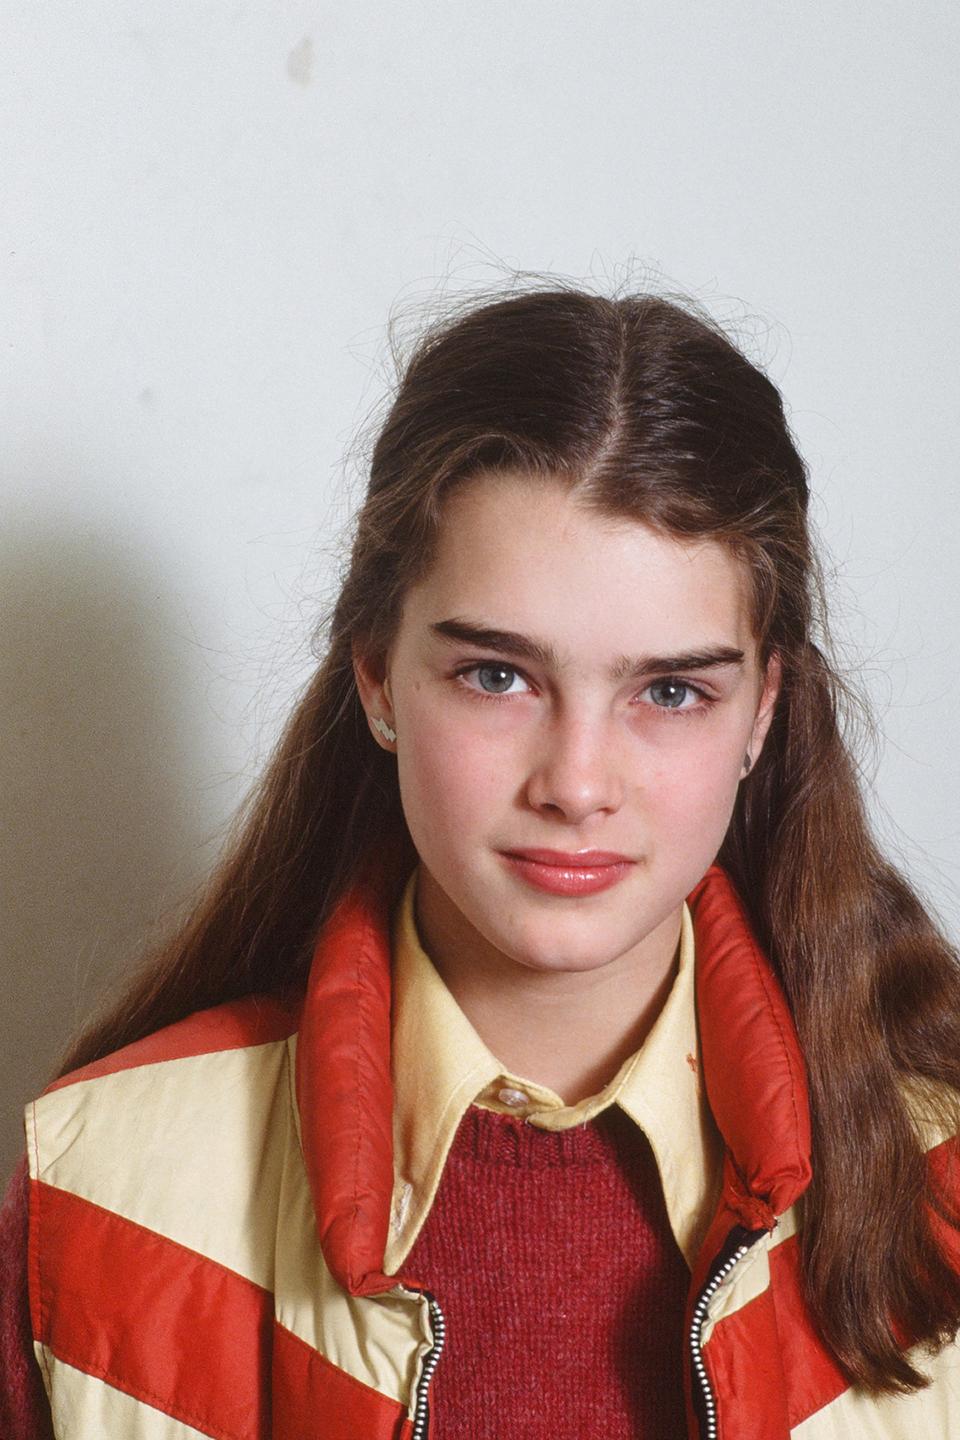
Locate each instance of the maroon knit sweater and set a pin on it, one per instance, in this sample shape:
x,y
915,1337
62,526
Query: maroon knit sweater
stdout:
x,y
24,1409
561,1284
553,1260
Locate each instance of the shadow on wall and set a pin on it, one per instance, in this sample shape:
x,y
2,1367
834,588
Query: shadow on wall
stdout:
x,y
100,779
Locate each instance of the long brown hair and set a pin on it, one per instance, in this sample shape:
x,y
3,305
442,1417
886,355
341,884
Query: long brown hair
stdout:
x,y
649,410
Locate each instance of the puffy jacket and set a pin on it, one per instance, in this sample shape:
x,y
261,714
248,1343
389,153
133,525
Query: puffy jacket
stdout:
x,y
209,1211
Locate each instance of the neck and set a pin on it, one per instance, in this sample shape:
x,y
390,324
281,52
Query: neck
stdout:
x,y
567,1030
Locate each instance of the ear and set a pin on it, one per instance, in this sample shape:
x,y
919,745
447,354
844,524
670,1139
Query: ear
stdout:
x,y
373,685
765,706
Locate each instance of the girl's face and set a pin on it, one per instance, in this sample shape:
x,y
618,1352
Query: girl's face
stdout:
x,y
565,682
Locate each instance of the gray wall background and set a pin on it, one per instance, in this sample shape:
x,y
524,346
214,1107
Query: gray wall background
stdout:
x,y
207,214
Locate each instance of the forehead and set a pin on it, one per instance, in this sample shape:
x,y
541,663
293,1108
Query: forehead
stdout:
x,y
526,554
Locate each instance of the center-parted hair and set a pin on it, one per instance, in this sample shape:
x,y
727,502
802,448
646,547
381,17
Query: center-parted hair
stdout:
x,y
645,409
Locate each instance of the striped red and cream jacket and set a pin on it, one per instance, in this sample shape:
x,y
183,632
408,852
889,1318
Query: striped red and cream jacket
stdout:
x,y
210,1211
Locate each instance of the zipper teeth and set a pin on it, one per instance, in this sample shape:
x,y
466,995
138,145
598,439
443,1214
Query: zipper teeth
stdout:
x,y
696,1347
422,1412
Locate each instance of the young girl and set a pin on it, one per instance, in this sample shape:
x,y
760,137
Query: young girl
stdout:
x,y
553,1053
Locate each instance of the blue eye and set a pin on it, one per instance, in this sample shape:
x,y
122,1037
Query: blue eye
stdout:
x,y
494,680
669,694
500,678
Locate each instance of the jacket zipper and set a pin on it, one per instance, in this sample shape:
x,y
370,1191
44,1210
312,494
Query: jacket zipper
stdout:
x,y
741,1240
421,1413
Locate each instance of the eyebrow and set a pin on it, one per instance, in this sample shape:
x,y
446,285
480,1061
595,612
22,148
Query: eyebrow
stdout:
x,y
626,667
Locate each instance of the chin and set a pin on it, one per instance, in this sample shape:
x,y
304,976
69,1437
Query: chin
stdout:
x,y
558,953
555,964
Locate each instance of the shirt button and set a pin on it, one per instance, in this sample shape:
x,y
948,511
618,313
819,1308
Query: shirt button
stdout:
x,y
514,1098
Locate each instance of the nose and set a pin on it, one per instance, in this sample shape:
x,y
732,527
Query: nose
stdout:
x,y
575,770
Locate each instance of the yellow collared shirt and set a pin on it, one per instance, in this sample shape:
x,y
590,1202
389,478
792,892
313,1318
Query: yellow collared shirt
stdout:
x,y
441,1067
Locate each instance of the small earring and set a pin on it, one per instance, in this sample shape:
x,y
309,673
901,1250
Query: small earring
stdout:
x,y
384,728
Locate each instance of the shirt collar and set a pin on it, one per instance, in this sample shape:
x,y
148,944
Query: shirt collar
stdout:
x,y
441,1066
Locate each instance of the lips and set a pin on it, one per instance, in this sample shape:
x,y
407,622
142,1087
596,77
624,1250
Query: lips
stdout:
x,y
560,873
578,859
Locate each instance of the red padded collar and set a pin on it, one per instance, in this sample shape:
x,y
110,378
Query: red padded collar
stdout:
x,y
750,1056
344,1089
751,1061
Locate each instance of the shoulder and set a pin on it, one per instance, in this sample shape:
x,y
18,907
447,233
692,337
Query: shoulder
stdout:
x,y
186,1134
205,1086
235,1025
934,1112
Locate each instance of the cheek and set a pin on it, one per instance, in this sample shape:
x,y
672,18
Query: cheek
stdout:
x,y
694,785
449,777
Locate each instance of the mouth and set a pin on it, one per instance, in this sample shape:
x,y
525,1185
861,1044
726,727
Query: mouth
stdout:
x,y
559,872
